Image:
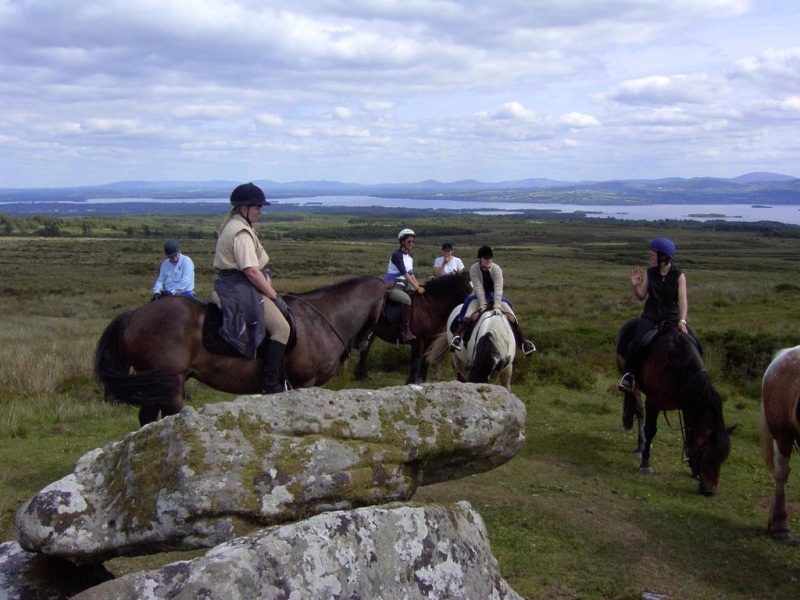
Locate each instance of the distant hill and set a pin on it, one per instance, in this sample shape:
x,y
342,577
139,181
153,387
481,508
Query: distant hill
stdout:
x,y
751,188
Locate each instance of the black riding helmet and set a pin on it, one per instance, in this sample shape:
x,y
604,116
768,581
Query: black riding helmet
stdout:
x,y
248,194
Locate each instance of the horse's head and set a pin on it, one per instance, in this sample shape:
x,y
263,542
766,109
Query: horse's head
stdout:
x,y
707,442
454,287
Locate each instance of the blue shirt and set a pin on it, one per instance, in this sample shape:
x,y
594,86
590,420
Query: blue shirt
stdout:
x,y
176,277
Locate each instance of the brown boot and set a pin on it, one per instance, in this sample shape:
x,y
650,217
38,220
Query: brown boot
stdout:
x,y
405,315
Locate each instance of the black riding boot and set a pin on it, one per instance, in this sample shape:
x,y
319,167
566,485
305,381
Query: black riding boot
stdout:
x,y
273,358
525,345
405,317
457,328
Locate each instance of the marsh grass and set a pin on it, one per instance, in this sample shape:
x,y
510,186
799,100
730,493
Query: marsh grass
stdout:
x,y
569,516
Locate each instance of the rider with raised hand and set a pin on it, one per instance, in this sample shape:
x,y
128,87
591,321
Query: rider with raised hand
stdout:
x,y
247,297
400,276
663,288
447,263
487,284
176,274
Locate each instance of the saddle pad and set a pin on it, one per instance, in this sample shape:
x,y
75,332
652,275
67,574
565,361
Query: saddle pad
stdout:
x,y
215,344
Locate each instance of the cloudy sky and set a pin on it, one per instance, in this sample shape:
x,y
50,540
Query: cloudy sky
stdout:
x,y
371,91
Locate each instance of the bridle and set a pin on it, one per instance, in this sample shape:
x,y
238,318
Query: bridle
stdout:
x,y
324,318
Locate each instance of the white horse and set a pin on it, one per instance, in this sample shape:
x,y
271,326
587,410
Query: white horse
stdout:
x,y
489,350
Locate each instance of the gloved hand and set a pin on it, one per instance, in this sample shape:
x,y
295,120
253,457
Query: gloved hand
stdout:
x,y
482,307
281,304
155,297
498,311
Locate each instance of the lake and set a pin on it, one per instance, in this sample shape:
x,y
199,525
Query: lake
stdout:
x,y
697,212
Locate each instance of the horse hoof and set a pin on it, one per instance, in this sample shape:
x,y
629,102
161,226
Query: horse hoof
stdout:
x,y
646,470
780,534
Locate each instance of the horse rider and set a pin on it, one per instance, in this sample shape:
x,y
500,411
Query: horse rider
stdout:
x,y
176,274
663,288
447,263
487,284
399,277
244,287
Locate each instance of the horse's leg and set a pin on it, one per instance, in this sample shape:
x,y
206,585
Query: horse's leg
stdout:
x,y
360,372
650,430
778,524
505,377
419,366
633,411
148,413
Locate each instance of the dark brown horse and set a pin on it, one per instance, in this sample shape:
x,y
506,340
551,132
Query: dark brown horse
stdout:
x,y
780,430
429,312
145,356
672,376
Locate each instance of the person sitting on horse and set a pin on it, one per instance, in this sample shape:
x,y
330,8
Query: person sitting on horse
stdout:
x,y
244,289
176,274
399,277
663,288
447,263
487,284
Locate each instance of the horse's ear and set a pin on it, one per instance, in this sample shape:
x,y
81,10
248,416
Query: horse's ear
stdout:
x,y
731,429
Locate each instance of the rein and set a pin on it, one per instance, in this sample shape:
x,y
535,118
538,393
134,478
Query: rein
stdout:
x,y
685,456
324,318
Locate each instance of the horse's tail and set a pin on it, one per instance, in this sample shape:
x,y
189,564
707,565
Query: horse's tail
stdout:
x,y
767,442
438,350
113,370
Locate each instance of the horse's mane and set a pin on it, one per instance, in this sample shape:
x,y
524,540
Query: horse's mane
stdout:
x,y
338,286
490,352
686,364
455,285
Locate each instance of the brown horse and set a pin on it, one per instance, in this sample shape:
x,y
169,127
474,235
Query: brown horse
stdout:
x,y
673,377
780,430
429,312
145,356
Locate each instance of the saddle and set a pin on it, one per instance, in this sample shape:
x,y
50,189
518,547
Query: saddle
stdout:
x,y
474,317
646,343
214,343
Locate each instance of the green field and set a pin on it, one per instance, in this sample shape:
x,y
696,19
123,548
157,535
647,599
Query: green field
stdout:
x,y
570,516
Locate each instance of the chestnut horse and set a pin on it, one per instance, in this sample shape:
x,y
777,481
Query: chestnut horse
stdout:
x,y
490,349
780,430
672,376
145,356
429,312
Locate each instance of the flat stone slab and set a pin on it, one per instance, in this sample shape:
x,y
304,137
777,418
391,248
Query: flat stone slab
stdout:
x,y
204,477
393,552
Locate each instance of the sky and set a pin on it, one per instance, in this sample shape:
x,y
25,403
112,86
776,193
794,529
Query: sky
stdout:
x,y
395,91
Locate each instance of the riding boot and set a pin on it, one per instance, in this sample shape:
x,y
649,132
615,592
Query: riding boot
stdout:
x,y
405,316
457,329
273,357
525,345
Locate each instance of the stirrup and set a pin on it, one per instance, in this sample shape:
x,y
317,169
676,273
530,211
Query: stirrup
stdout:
x,y
528,348
407,336
456,343
626,384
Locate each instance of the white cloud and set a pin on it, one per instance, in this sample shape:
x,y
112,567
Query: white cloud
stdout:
x,y
409,89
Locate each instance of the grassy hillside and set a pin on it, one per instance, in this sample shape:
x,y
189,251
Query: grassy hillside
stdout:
x,y
570,516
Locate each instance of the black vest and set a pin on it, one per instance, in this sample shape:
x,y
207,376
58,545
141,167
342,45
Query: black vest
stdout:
x,y
662,295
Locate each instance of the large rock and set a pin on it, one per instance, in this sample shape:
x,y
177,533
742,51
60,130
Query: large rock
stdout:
x,y
204,477
430,552
32,576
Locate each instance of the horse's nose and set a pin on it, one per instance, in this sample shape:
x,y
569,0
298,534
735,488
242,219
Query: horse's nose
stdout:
x,y
707,489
